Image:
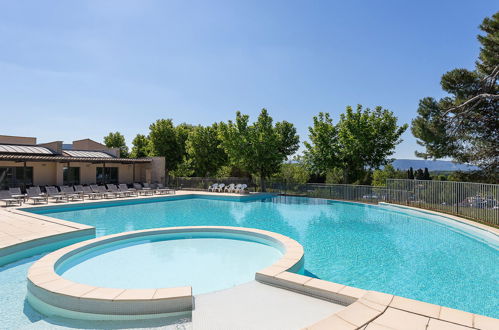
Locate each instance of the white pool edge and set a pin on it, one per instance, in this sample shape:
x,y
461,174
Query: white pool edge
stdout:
x,y
47,288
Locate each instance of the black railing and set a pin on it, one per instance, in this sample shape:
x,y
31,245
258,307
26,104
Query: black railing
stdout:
x,y
475,201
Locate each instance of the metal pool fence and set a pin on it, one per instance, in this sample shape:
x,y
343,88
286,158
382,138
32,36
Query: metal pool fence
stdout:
x,y
347,192
475,201
479,201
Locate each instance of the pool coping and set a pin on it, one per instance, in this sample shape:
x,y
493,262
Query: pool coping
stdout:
x,y
367,309
80,299
27,238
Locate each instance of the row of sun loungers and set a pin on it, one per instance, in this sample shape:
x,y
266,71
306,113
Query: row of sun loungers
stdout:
x,y
231,188
15,197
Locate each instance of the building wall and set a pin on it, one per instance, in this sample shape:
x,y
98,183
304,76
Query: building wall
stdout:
x,y
44,174
55,146
158,170
125,173
51,173
21,140
91,145
88,172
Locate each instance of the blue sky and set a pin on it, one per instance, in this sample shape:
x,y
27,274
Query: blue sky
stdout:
x,y
77,69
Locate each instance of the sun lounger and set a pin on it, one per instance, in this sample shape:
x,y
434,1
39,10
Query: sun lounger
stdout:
x,y
70,193
164,190
104,192
213,187
229,188
16,193
241,189
87,191
131,192
53,193
146,186
235,188
143,191
35,194
6,197
114,189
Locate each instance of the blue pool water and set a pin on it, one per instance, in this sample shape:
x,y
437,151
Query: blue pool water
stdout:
x,y
365,246
206,264
411,254
16,312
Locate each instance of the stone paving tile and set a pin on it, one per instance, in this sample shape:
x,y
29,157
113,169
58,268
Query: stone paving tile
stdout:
x,y
456,316
416,306
435,324
398,319
485,323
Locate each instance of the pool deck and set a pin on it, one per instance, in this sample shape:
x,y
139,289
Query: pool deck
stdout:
x,y
372,310
21,232
256,306
18,229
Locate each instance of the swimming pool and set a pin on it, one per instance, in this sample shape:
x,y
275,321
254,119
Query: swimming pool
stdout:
x,y
173,263
411,254
152,273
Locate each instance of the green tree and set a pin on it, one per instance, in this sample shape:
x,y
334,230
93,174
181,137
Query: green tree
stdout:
x,y
204,150
410,173
117,140
442,177
419,174
380,175
167,141
140,147
335,175
322,152
426,174
362,141
465,125
259,148
488,59
293,173
388,172
184,168
422,174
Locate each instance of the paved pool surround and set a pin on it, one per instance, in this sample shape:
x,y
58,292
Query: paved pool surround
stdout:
x,y
53,294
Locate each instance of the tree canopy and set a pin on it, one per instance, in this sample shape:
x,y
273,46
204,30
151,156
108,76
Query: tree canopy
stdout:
x,y
204,153
295,172
140,147
388,172
259,148
117,140
323,150
465,124
363,139
167,141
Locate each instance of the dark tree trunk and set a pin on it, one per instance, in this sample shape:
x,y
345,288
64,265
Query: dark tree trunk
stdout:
x,y
263,184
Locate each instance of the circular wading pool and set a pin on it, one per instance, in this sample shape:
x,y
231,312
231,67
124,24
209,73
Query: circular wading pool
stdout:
x,y
150,273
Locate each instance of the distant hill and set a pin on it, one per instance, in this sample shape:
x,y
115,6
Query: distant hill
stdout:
x,y
432,165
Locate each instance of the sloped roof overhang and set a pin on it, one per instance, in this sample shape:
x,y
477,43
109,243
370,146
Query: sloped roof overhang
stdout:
x,y
65,159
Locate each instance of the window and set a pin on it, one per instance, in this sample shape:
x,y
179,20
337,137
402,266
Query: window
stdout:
x,y
107,175
15,177
71,176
